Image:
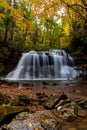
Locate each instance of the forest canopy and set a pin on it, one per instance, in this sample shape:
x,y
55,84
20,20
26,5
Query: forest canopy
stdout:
x,y
41,25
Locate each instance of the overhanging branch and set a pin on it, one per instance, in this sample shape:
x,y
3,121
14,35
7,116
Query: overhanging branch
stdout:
x,y
72,7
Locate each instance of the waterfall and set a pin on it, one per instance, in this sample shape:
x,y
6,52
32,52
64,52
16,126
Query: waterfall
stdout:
x,y
54,64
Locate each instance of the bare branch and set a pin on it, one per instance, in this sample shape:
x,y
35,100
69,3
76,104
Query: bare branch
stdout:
x,y
78,6
71,6
84,2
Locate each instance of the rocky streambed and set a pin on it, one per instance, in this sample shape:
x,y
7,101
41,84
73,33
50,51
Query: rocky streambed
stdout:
x,y
61,106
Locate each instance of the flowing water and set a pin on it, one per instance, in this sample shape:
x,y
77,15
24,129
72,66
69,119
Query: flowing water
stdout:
x,y
51,65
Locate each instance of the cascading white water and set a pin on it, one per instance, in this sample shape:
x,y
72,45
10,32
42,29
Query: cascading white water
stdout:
x,y
55,64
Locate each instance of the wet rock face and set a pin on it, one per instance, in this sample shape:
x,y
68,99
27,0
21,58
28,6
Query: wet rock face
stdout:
x,y
54,100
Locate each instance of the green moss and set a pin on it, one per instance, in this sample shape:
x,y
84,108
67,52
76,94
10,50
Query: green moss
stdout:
x,y
75,109
15,101
2,114
6,111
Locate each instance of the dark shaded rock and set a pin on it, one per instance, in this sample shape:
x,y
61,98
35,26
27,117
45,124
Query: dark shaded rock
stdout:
x,y
54,100
2,81
7,111
45,83
24,100
5,99
42,96
80,60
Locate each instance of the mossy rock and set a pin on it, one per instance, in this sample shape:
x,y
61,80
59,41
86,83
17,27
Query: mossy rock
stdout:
x,y
5,99
82,102
15,101
6,111
2,114
20,100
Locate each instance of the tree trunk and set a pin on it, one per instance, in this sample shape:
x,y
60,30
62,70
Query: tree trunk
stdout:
x,y
25,35
12,3
12,32
6,32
